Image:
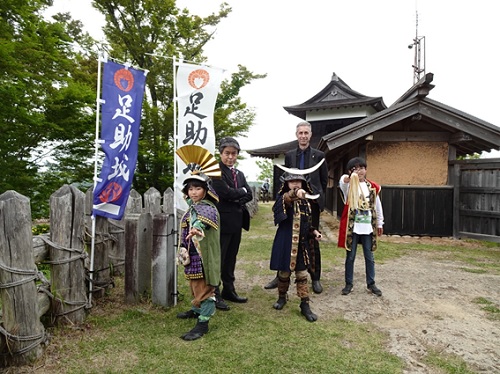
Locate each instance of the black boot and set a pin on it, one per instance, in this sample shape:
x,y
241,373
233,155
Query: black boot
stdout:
x,y
317,287
278,305
306,311
374,289
219,301
196,332
272,284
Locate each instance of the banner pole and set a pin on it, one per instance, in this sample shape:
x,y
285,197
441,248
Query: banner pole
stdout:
x,y
175,177
96,154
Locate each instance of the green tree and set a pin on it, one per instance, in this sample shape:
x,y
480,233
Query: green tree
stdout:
x,y
266,169
473,156
140,31
46,93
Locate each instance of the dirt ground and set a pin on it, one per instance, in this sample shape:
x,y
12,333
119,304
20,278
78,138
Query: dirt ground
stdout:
x,y
426,304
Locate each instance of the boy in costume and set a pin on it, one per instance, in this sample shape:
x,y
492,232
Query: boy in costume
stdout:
x,y
199,245
362,222
294,240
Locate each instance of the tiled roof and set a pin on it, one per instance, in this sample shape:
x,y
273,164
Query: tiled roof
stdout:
x,y
337,94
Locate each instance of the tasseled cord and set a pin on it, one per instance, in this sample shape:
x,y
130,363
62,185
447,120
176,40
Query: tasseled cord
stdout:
x,y
353,196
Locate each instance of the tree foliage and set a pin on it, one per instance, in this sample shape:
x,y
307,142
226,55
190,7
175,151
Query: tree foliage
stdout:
x,y
266,169
149,33
473,156
49,84
46,94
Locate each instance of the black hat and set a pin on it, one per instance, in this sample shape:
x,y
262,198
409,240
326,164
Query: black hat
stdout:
x,y
293,177
228,142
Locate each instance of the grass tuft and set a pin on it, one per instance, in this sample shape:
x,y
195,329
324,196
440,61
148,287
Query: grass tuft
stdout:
x,y
489,307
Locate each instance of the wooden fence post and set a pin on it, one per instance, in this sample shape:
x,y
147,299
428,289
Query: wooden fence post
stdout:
x,y
117,246
253,205
134,203
117,232
102,269
67,254
455,175
163,254
40,247
138,242
152,201
21,326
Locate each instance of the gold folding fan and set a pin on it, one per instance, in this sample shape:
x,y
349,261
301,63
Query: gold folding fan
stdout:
x,y
199,160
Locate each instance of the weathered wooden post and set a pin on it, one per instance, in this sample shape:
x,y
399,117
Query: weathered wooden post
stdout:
x,y
117,246
152,201
164,266
134,203
41,248
102,269
117,233
152,204
112,256
21,329
138,242
253,205
67,254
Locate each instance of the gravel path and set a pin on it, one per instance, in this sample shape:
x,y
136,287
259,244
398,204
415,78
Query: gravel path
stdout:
x,y
426,304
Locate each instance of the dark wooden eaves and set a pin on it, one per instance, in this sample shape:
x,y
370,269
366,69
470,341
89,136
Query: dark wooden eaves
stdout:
x,y
337,94
467,133
278,150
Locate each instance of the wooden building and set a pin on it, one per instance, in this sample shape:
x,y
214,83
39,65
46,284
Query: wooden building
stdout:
x,y
410,148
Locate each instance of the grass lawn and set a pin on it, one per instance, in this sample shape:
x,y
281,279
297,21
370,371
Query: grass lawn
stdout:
x,y
250,338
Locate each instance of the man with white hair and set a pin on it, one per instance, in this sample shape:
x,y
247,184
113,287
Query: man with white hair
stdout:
x,y
305,157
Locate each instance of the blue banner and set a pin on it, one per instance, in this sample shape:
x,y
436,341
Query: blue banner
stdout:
x,y
122,94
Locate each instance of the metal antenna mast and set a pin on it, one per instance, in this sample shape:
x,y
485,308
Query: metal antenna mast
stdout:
x,y
419,61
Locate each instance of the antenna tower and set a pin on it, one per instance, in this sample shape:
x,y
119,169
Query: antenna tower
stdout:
x,y
419,61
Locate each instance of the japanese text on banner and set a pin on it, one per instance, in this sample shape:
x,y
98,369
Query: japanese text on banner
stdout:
x,y
122,94
197,89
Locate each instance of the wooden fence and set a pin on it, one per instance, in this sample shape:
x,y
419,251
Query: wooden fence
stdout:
x,y
418,210
476,206
141,247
